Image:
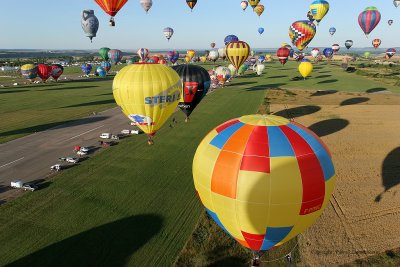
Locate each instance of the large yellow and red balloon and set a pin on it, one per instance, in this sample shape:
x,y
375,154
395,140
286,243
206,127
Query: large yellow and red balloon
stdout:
x,y
263,179
237,53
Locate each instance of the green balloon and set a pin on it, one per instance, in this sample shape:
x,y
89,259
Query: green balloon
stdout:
x,y
242,69
370,8
104,53
367,54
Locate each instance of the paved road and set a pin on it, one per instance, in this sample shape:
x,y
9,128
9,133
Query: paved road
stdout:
x,y
29,158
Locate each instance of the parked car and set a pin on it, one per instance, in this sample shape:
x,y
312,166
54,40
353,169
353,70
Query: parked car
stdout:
x,y
72,160
17,184
128,132
105,136
62,159
30,186
81,153
56,167
114,137
84,149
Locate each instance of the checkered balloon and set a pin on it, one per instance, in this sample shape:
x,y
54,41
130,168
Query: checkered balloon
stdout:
x,y
301,33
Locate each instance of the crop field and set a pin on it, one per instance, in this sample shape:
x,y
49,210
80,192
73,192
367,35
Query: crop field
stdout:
x,y
135,204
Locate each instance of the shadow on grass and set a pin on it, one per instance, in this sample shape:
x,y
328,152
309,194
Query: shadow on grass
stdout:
x,y
4,188
231,261
33,86
327,127
69,88
95,103
59,125
375,90
12,91
322,93
277,77
297,111
322,76
325,71
265,86
390,172
328,81
354,101
110,244
241,83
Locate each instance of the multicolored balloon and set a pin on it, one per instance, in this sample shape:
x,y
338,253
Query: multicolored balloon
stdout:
x,y
89,23
253,3
230,38
237,53
223,74
148,94
263,179
348,44
115,56
106,66
111,7
261,59
319,9
196,82
259,9
244,5
56,71
146,4
86,68
191,4
283,54
390,52
335,48
143,53
101,72
301,33
310,16
332,31
44,71
168,32
369,19
376,43
103,52
29,71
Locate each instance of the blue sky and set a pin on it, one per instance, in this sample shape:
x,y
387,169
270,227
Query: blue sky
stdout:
x,y
56,24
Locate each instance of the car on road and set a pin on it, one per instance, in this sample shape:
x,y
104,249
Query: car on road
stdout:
x,y
30,186
72,160
62,159
81,153
17,184
105,136
85,149
56,167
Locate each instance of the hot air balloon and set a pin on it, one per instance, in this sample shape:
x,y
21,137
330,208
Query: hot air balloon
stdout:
x,y
305,69
148,94
154,59
230,38
253,3
259,69
44,71
319,9
376,43
332,31
259,9
132,60
101,72
315,52
310,16
190,53
187,59
106,66
103,52
261,59
367,54
146,4
111,7
390,52
86,68
56,71
349,44
168,32
196,82
232,69
115,56
283,54
328,53
191,4
223,74
335,48
298,56
29,71
244,5
89,23
213,55
203,59
222,53
162,61
396,3
301,33
263,179
390,22
143,53
260,30
369,19
237,53
212,45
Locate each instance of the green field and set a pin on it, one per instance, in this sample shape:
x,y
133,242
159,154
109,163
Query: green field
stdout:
x,y
132,204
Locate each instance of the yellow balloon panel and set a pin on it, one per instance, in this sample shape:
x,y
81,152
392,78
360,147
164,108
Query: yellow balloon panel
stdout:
x,y
305,69
148,94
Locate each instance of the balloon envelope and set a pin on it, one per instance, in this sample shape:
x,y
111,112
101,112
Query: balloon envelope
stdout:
x,y
369,19
86,68
115,56
29,71
89,23
301,33
237,53
103,52
101,72
44,71
319,9
230,38
56,71
146,4
305,69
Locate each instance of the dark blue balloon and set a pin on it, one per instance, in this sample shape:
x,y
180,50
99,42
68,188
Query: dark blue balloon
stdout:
x,y
261,59
86,68
260,30
328,52
230,38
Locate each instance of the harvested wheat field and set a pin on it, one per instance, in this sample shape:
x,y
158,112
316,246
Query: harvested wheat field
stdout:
x,y
363,134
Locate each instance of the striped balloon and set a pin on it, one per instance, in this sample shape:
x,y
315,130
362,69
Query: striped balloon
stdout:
x,y
301,33
390,52
335,48
143,53
259,9
29,71
106,66
369,19
319,9
237,53
376,43
115,56
168,32
253,3
263,179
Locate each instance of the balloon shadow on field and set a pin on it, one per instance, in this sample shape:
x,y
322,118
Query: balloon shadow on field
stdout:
x,y
390,172
297,111
12,91
4,188
95,103
69,88
354,101
322,92
111,244
325,71
376,90
265,86
327,127
323,76
231,261
328,81
277,77
33,86
242,83
55,125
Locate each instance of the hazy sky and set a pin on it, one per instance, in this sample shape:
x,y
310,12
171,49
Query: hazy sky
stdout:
x,y
56,24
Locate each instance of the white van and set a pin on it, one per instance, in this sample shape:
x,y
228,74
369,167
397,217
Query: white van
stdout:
x,y
17,184
105,136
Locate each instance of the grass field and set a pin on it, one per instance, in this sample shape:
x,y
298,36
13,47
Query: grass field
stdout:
x,y
132,204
